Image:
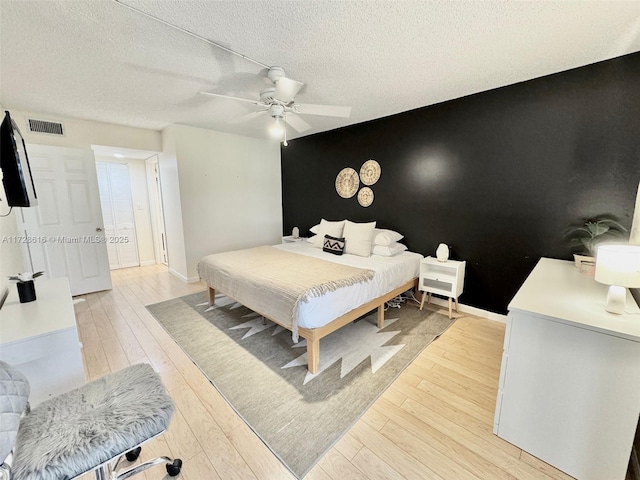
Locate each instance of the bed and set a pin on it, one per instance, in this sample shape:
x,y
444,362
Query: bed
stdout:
x,y
362,285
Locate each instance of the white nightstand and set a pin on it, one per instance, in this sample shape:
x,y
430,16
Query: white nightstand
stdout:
x,y
291,239
443,278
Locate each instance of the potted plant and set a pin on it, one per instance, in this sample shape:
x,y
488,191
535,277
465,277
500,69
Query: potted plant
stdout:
x,y
585,238
25,285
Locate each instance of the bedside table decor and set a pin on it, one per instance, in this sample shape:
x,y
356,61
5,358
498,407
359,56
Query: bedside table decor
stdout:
x,y
295,232
619,267
441,278
442,252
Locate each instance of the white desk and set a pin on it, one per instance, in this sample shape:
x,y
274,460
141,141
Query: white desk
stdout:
x,y
40,339
569,389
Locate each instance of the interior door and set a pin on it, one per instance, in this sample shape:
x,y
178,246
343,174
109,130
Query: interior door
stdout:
x,y
65,233
118,214
155,200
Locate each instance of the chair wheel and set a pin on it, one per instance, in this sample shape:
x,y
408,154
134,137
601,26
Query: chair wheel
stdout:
x,y
173,469
133,455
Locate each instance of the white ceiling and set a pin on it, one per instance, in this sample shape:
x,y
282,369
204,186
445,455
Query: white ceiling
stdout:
x,y
98,60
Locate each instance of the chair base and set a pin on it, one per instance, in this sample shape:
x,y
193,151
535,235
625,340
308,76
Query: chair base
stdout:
x,y
109,470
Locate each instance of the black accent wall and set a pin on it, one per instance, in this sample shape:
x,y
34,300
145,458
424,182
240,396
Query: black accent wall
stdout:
x,y
499,176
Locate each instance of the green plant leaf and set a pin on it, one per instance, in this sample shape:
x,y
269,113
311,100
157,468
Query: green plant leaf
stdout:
x,y
600,229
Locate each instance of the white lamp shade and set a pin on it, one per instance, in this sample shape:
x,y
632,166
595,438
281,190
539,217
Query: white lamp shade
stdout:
x,y
618,265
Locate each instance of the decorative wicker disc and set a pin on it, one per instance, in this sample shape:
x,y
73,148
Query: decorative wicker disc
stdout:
x,y
365,196
347,182
370,172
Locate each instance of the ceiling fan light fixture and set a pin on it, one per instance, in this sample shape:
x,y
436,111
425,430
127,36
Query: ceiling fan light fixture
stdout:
x,y
277,128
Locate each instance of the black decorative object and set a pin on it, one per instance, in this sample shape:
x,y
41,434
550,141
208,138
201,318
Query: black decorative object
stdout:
x,y
26,291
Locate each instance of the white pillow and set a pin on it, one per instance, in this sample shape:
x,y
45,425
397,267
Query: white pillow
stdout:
x,y
327,228
314,229
386,237
389,250
358,238
312,239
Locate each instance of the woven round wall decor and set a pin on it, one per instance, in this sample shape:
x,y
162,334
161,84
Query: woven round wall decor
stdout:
x,y
365,196
370,172
347,182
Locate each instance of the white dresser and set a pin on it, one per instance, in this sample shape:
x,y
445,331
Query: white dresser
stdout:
x,y
569,389
40,339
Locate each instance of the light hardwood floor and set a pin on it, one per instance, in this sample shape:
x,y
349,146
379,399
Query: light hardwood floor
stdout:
x,y
434,422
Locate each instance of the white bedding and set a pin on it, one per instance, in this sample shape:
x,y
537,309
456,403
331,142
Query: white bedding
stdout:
x,y
390,273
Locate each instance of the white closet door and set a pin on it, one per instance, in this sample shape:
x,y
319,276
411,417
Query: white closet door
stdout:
x,y
107,213
120,225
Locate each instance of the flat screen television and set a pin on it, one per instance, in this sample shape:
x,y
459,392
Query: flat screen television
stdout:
x,y
14,162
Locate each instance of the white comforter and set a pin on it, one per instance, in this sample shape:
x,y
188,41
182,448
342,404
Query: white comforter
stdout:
x,y
390,273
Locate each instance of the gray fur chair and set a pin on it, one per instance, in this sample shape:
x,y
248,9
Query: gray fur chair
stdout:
x,y
91,428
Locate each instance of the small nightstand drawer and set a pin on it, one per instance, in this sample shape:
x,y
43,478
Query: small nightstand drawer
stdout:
x,y
433,284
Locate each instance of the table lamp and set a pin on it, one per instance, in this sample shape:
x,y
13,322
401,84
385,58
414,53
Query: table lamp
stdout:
x,y
619,267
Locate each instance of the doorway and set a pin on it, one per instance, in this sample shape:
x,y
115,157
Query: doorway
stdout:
x,y
114,183
139,200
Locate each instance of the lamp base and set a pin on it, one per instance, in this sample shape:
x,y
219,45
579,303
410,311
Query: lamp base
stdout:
x,y
616,299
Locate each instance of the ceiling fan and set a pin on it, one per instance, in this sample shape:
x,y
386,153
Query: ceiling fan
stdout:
x,y
278,101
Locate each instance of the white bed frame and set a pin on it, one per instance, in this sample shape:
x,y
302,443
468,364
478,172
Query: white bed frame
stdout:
x,y
313,335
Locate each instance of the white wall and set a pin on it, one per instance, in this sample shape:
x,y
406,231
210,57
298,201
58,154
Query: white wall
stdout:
x,y
140,198
78,134
230,193
172,206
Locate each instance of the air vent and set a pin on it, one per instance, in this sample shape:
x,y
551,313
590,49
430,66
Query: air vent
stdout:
x,y
42,126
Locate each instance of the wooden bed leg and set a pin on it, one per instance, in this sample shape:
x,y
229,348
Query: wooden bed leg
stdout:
x,y
313,355
381,316
212,296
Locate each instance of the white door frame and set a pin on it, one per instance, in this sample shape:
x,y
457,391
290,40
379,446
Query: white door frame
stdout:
x,y
157,212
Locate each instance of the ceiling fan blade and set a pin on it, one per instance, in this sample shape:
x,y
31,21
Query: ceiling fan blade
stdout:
x,y
326,110
286,89
255,102
248,117
297,123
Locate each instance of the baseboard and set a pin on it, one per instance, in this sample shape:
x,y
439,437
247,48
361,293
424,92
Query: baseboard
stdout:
x,y
177,274
146,263
478,312
183,278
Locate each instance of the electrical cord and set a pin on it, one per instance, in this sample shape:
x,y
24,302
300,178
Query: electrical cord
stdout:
x,y
9,213
399,300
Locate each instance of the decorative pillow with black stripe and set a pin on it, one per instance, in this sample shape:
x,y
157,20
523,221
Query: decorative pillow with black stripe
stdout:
x,y
333,245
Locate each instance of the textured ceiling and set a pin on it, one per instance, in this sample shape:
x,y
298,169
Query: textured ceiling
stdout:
x,y
98,60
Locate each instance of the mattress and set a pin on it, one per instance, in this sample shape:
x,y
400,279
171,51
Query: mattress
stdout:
x,y
390,273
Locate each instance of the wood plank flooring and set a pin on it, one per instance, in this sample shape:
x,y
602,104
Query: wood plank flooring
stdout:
x,y
434,422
